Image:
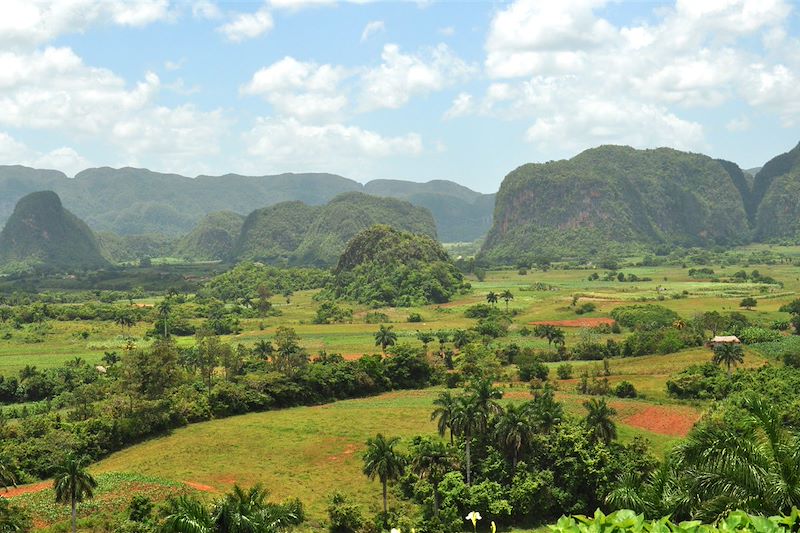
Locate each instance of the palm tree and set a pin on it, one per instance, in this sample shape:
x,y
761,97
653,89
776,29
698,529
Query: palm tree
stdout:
x,y
728,355
248,511
544,411
263,349
443,336
164,309
445,409
72,484
466,422
381,460
514,431
507,296
659,493
754,466
486,395
187,515
425,337
460,338
598,419
432,460
385,337
492,298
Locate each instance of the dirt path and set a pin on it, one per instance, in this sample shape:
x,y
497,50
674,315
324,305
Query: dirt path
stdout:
x,y
200,486
576,322
26,489
673,421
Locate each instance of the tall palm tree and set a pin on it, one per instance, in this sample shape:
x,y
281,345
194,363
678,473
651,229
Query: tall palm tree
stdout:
x,y
492,298
514,431
385,337
507,296
164,310
381,460
598,419
445,409
72,483
432,460
467,422
754,466
728,355
486,395
187,514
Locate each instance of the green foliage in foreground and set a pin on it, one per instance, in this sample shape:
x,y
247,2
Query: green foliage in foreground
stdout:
x,y
384,266
625,521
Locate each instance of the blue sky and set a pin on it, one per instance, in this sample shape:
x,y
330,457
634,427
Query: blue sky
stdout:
x,y
465,91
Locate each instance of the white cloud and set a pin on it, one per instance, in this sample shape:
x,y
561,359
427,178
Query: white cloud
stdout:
x,y
601,122
54,90
299,89
30,22
447,31
281,144
400,76
372,27
13,152
245,26
582,80
206,9
300,4
462,105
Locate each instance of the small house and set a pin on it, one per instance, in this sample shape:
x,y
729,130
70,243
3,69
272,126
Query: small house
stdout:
x,y
723,339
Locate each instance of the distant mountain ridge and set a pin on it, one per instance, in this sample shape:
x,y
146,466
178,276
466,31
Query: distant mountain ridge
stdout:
x,y
130,201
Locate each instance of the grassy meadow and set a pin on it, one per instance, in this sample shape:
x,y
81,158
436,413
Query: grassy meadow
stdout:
x,y
309,452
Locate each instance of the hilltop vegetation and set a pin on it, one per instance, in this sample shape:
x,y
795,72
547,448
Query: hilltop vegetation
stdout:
x,y
44,235
776,189
384,266
296,234
213,238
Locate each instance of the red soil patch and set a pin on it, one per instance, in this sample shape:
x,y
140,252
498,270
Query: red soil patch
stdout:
x,y
576,323
672,421
199,486
27,489
352,356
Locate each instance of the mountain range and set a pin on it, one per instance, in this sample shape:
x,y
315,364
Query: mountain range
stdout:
x,y
131,201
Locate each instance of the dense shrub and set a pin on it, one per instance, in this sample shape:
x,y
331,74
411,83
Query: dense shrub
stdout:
x,y
644,317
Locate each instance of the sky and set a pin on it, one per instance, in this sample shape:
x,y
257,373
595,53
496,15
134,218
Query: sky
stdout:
x,y
465,91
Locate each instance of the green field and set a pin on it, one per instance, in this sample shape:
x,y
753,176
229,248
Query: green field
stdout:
x,y
309,452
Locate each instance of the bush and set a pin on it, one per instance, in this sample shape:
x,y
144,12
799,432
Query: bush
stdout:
x,y
414,317
644,317
344,515
585,308
376,317
625,389
564,371
330,313
532,368
753,335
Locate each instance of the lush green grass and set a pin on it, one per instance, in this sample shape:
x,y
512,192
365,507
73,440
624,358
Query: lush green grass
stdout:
x,y
309,452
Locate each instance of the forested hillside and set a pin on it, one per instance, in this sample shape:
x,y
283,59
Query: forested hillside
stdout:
x,y
132,201
41,233
616,198
297,234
